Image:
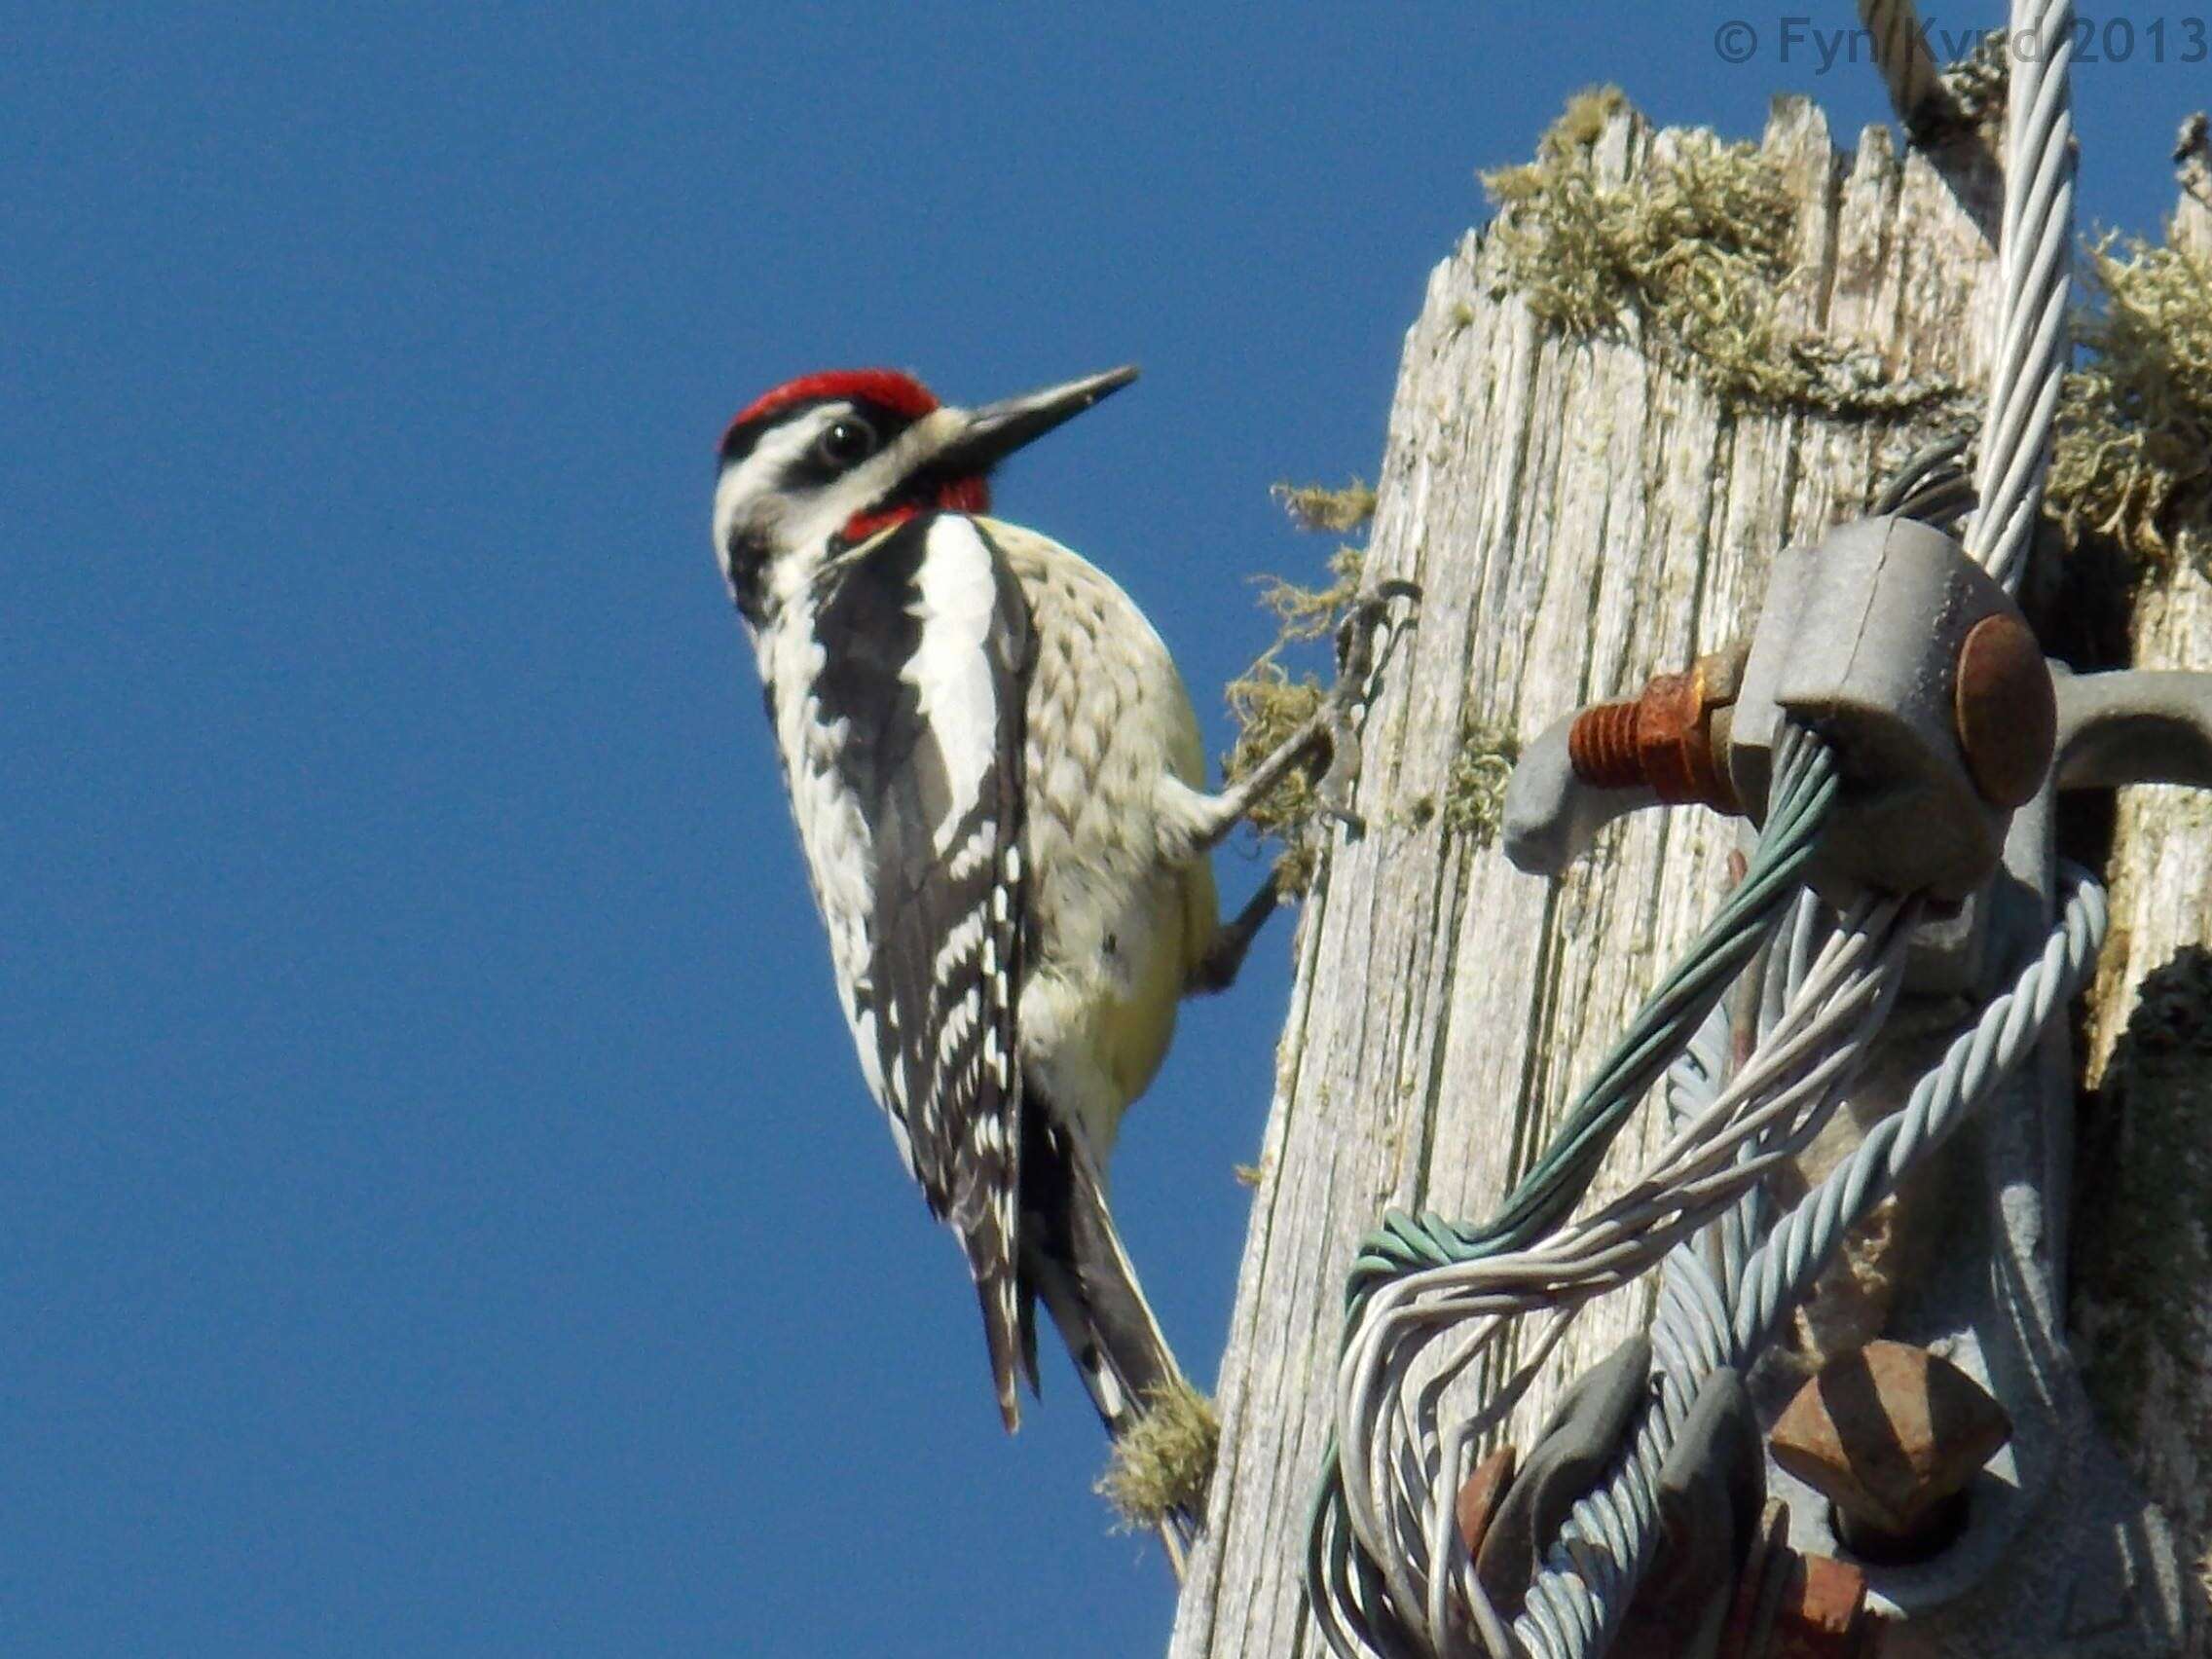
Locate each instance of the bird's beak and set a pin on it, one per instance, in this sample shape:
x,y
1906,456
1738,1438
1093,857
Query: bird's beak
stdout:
x,y
994,431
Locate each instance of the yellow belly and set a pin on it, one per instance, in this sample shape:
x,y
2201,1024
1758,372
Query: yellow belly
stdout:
x,y
1117,931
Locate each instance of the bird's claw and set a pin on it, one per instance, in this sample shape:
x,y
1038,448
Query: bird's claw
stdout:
x,y
1357,661
1333,792
1359,664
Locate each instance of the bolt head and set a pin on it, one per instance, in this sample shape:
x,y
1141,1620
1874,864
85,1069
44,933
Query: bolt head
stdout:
x,y
2006,711
1823,1615
1673,735
1887,1433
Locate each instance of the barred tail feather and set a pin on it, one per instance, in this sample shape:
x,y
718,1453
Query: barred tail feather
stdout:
x,y
986,1217
1011,1339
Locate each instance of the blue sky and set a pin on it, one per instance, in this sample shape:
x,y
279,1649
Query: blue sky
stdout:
x,y
441,1211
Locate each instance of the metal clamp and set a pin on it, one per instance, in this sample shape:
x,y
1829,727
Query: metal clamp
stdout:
x,y
1921,671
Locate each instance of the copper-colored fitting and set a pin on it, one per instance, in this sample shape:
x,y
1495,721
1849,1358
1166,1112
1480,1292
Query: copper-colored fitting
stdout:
x,y
1798,1606
1823,1615
2006,710
1483,1492
1600,745
1673,740
1665,738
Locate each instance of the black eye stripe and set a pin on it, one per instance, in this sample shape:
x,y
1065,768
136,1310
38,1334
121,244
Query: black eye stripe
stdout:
x,y
744,439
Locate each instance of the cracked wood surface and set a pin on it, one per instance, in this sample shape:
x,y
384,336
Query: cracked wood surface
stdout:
x,y
1578,519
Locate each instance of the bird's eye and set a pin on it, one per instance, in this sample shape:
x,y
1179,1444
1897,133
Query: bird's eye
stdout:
x,y
846,441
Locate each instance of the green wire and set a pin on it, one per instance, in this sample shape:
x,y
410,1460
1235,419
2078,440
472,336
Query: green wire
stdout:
x,y
1559,1179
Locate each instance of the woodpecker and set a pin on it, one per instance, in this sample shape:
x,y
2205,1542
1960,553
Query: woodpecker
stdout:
x,y
999,786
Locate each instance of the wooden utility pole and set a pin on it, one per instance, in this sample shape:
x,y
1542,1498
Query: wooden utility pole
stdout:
x,y
1584,501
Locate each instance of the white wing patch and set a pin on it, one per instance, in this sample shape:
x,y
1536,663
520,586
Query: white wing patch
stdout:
x,y
957,594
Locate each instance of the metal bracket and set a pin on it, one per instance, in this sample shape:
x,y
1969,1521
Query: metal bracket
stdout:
x,y
2134,727
2062,1556
1944,727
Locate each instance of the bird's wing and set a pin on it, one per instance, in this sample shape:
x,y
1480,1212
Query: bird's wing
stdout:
x,y
927,648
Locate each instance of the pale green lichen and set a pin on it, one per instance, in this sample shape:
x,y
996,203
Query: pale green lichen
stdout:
x,y
1161,1467
1270,706
1584,120
2132,452
1317,507
1474,790
1689,258
1978,84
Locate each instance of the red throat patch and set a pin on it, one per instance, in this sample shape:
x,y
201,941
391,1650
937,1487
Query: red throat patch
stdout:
x,y
960,496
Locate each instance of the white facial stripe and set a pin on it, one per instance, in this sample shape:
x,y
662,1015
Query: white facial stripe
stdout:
x,y
753,490
752,494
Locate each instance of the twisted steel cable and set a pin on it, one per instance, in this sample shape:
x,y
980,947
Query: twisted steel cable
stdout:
x,y
1581,1591
1979,1060
1383,1553
2035,246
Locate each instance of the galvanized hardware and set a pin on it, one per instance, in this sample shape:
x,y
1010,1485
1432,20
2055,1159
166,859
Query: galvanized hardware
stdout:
x,y
2129,727
1571,1457
2134,727
1712,1492
1944,726
1551,816
1892,1434
1863,638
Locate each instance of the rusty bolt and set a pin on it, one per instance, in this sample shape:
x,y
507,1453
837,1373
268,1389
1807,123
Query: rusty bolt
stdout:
x,y
1891,1435
1823,1615
1672,743
1483,1492
1663,738
1601,744
2006,711
1798,1606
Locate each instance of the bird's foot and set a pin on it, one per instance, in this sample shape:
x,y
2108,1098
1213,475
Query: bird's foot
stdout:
x,y
1366,639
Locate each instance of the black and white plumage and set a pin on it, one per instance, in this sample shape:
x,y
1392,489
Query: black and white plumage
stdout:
x,y
911,732
999,788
